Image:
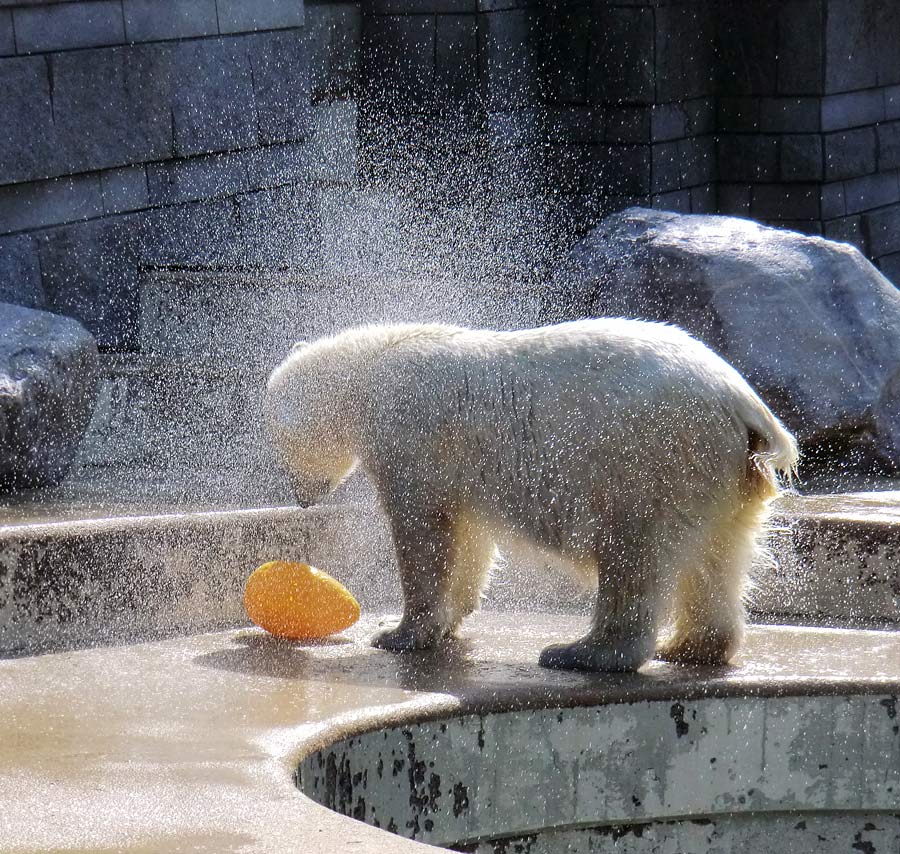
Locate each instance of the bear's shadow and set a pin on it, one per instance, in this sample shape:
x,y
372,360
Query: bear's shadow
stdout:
x,y
453,668
259,654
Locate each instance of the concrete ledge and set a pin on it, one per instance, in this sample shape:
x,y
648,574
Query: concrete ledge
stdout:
x,y
191,743
73,583
147,572
836,561
73,574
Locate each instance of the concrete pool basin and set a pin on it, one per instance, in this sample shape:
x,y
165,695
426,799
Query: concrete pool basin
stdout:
x,y
193,743
817,773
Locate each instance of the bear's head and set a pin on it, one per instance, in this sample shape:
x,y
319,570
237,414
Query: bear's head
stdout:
x,y
307,418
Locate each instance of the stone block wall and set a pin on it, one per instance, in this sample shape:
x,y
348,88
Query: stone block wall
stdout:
x,y
651,70
235,133
593,105
139,135
281,167
191,142
809,119
786,111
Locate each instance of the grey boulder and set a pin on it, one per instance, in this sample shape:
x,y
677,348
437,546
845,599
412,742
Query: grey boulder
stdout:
x,y
810,323
48,387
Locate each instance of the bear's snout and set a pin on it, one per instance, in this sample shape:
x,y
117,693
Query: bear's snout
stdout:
x,y
307,493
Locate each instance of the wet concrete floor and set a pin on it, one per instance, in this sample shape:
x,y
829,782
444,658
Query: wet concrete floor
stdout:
x,y
190,744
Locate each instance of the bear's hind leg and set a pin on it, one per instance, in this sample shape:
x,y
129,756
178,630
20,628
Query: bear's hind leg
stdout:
x,y
471,559
709,608
624,628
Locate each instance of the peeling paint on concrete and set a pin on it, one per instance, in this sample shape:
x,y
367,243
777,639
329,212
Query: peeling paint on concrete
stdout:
x,y
742,764
870,833
832,565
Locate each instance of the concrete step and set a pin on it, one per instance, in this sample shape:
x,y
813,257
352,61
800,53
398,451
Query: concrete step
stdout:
x,y
82,581
835,561
167,433
78,573
151,408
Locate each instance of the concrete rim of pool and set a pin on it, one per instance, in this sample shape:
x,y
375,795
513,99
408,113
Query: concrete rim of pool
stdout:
x,y
190,744
686,761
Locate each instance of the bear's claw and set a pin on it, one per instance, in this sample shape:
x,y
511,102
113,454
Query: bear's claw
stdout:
x,y
404,639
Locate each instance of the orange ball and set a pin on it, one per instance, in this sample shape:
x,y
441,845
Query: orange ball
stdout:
x,y
297,601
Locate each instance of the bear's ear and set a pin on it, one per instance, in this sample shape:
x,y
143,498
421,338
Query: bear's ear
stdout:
x,y
300,345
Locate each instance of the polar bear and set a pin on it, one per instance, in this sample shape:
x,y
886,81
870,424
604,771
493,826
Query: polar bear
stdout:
x,y
627,449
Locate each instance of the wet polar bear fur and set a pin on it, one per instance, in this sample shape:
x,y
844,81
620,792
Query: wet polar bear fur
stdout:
x,y
627,449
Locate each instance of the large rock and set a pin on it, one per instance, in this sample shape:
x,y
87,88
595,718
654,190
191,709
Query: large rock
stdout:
x,y
811,323
48,386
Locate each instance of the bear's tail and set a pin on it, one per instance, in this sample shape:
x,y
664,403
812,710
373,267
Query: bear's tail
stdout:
x,y
772,452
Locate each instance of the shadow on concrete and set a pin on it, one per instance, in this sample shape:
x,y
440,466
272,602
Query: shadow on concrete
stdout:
x,y
258,654
482,668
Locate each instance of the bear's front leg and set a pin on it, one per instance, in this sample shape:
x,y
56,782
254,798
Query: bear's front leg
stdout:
x,y
423,540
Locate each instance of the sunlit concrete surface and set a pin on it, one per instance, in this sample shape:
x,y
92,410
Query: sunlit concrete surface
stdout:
x,y
191,744
875,507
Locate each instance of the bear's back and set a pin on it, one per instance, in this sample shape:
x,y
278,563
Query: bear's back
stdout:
x,y
612,360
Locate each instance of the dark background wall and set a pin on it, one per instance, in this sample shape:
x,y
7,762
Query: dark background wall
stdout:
x,y
139,137
782,110
598,102
809,119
